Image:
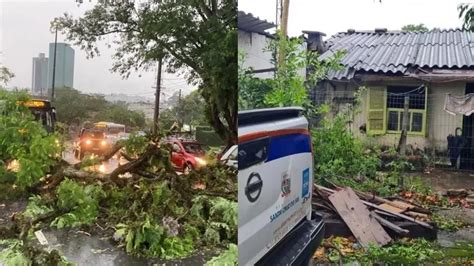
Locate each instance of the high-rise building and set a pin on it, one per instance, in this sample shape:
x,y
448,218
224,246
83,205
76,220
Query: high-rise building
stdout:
x,y
64,76
39,77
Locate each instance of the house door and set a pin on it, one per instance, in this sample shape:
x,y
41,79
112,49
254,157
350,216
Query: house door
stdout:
x,y
467,155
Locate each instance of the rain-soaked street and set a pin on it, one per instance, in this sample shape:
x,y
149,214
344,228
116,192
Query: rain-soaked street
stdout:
x,y
82,248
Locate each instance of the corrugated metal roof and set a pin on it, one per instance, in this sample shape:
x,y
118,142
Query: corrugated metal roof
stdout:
x,y
396,51
250,23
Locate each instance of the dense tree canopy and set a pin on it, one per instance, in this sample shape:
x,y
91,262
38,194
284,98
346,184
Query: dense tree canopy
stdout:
x,y
466,12
196,37
412,27
74,107
5,75
187,111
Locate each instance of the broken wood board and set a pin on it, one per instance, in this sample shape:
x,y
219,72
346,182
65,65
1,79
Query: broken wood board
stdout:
x,y
357,217
403,204
417,215
391,208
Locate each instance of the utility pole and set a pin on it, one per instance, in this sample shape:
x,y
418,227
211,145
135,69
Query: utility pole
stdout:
x,y
284,31
180,111
54,63
278,8
157,98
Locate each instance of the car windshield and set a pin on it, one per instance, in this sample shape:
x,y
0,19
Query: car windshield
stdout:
x,y
193,147
93,134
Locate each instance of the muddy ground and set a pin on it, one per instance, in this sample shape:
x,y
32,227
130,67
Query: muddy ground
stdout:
x,y
444,179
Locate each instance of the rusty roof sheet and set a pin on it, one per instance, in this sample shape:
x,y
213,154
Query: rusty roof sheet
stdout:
x,y
395,51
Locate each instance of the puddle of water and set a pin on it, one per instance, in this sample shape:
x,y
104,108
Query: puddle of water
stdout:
x,y
82,249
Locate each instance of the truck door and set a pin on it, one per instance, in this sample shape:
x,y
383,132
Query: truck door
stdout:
x,y
274,179
177,156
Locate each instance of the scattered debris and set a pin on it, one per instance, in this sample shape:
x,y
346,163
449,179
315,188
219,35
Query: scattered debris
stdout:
x,y
362,223
41,238
377,222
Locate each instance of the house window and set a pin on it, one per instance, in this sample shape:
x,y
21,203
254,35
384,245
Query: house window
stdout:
x,y
386,106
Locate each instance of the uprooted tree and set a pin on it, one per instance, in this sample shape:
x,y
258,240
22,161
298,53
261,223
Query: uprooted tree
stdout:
x,y
167,215
198,38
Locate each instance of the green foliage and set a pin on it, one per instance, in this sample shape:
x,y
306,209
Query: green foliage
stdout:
x,y
219,217
206,136
416,28
24,142
466,12
135,145
15,253
289,88
252,90
82,203
406,252
197,38
36,206
338,153
73,107
5,75
447,224
151,239
228,257
190,110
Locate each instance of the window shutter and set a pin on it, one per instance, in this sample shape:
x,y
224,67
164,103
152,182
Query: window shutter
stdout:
x,y
377,110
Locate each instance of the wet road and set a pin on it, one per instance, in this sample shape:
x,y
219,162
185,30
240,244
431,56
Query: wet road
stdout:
x,y
106,167
82,249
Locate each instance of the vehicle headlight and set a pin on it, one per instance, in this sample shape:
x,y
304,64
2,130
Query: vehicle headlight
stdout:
x,y
88,142
200,161
103,143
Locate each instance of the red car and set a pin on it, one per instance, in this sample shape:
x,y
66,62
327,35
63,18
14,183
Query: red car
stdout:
x,y
187,155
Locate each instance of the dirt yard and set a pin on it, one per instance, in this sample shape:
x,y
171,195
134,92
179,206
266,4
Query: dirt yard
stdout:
x,y
444,179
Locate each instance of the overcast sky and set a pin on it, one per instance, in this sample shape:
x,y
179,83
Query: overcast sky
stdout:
x,y
24,33
332,16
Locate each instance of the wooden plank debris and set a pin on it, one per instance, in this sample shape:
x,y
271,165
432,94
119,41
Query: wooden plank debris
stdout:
x,y
390,225
357,217
391,208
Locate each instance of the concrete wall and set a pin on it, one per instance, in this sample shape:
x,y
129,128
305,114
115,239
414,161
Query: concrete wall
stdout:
x,y
253,46
439,123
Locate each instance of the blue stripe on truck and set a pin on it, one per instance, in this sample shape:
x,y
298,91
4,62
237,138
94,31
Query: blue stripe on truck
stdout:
x,y
282,146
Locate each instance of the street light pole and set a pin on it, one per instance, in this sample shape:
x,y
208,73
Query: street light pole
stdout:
x,y
54,63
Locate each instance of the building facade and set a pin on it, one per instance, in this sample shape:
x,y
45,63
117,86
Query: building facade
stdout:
x,y
385,72
39,79
64,76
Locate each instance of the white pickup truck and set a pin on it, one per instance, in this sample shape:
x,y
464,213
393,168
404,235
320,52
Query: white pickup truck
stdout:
x,y
275,162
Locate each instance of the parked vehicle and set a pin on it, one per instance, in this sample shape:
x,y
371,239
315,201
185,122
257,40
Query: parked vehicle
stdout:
x,y
114,132
187,155
275,162
91,141
42,111
229,156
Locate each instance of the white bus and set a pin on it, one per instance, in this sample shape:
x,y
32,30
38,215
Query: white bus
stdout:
x,y
110,128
